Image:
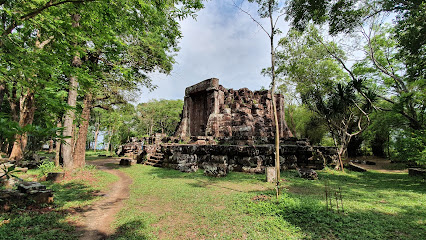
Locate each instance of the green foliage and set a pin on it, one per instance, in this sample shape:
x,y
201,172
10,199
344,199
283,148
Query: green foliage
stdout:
x,y
395,55
410,147
9,172
48,166
305,123
8,128
117,46
159,116
306,62
314,67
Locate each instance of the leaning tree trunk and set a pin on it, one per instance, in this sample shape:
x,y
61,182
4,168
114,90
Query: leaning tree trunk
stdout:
x,y
80,148
26,117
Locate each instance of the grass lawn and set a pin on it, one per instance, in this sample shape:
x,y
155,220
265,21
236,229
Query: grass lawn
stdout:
x,y
168,204
56,221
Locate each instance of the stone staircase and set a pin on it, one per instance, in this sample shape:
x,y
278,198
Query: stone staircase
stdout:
x,y
155,159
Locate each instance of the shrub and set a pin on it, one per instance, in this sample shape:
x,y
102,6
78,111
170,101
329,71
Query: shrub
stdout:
x,y
411,147
47,167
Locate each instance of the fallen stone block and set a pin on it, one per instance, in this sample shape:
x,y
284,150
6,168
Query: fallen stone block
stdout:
x,y
417,172
26,187
307,173
215,170
271,174
125,162
41,196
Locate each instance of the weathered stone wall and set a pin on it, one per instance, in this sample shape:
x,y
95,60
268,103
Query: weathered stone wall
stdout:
x,y
237,116
218,160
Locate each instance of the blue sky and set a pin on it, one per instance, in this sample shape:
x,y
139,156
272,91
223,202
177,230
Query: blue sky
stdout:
x,y
222,42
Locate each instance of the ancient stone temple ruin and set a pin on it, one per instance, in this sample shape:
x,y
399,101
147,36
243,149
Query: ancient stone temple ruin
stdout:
x,y
224,130
233,116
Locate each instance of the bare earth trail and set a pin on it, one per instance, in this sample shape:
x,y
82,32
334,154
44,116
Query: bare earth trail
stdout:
x,y
98,219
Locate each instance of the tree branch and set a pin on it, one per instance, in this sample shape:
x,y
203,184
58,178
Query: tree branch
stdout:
x,y
252,18
379,66
37,11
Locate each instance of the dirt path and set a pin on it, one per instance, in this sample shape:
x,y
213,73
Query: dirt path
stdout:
x,y
383,165
97,221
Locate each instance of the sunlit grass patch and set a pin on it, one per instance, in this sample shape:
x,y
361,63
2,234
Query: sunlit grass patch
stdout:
x,y
174,205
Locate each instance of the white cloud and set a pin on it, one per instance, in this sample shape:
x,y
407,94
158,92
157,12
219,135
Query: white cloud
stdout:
x,y
223,43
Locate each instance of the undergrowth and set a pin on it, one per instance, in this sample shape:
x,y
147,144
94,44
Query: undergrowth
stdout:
x,y
55,221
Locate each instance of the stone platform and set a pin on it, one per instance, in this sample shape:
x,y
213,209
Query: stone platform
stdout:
x,y
218,160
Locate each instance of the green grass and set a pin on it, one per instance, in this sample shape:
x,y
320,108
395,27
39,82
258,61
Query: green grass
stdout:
x,y
54,221
92,155
173,205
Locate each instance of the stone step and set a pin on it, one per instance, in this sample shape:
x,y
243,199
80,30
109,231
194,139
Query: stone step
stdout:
x,y
156,157
154,160
153,164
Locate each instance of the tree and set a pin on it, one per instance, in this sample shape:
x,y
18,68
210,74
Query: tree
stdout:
x,y
267,9
326,85
110,47
160,116
305,123
395,56
405,43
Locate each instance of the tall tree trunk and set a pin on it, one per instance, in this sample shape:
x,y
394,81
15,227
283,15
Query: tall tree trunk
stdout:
x,y
74,136
50,146
109,140
2,92
58,145
80,148
26,116
67,147
96,136
274,103
109,137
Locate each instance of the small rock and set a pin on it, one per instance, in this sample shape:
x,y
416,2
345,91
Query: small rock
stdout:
x,y
26,187
307,173
417,172
125,162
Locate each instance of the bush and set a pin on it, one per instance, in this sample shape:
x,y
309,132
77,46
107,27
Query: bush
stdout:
x,y
47,167
410,146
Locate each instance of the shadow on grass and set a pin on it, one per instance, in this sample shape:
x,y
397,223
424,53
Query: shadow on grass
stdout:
x,y
232,176
36,225
377,180
45,222
131,230
71,192
308,213
348,181
116,166
312,218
